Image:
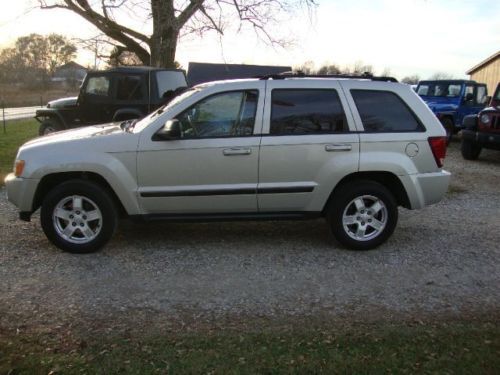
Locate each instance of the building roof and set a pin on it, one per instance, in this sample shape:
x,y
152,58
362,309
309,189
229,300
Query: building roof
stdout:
x,y
71,65
484,62
206,72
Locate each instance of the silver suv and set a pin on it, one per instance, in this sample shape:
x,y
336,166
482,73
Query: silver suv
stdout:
x,y
282,147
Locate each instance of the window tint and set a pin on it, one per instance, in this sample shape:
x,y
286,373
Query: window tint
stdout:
x,y
98,86
129,88
443,89
469,93
307,112
481,95
384,111
221,115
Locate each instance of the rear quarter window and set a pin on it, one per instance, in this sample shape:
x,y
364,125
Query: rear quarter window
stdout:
x,y
385,112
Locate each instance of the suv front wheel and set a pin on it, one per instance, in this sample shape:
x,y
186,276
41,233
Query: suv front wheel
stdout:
x,y
78,216
362,215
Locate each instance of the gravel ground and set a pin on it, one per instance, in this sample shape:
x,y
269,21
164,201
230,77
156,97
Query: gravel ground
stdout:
x,y
441,260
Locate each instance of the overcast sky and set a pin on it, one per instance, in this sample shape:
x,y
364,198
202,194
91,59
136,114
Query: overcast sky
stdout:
x,y
406,36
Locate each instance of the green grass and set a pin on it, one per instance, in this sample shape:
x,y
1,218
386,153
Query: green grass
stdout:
x,y
454,348
18,132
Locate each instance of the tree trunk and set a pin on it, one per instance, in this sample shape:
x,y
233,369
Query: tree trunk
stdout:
x,y
165,34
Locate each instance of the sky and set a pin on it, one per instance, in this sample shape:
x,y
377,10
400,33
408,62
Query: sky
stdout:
x,y
405,36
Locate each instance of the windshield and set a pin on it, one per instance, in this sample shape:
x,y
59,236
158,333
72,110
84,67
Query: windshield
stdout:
x,y
443,89
140,125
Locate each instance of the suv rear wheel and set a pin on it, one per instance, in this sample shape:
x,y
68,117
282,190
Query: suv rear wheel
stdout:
x,y
362,215
78,216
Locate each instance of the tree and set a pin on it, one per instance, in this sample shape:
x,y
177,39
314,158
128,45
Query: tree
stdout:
x,y
329,69
35,57
441,75
170,18
411,80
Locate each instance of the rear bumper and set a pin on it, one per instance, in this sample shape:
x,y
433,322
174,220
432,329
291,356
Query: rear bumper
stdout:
x,y
487,140
20,192
424,189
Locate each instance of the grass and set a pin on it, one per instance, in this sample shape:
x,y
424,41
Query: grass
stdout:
x,y
18,132
453,348
21,96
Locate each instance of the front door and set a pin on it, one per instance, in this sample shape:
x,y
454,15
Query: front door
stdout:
x,y
213,167
95,100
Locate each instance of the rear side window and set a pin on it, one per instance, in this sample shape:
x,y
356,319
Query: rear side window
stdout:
x,y
384,111
129,88
307,112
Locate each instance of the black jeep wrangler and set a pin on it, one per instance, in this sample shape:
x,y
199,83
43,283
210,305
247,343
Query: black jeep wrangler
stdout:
x,y
482,130
117,94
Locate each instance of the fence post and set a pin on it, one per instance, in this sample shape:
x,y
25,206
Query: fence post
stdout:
x,y
3,117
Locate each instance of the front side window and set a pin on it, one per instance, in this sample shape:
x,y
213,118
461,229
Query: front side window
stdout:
x,y
469,93
481,95
221,115
98,86
306,112
384,111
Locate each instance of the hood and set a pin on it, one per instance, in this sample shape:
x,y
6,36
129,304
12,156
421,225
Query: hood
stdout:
x,y
63,102
440,104
106,138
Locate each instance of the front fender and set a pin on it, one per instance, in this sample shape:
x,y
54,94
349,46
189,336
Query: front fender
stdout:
x,y
118,169
49,112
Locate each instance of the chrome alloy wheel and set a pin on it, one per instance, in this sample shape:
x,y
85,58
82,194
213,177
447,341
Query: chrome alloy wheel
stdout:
x,y
365,217
77,219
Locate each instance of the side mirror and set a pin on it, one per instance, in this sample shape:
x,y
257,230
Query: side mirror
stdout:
x,y
170,131
469,97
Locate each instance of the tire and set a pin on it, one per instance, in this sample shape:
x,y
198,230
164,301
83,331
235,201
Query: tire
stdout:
x,y
355,200
50,126
470,150
450,129
68,212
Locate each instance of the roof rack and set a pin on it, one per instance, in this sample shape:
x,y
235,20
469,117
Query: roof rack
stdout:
x,y
365,75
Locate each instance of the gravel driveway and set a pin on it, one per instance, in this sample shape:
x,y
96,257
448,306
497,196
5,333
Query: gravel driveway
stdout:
x,y
441,260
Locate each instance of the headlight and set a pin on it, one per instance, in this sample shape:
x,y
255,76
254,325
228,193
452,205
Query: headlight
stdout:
x,y
485,119
19,167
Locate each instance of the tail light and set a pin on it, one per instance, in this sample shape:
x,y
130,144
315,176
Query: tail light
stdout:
x,y
438,147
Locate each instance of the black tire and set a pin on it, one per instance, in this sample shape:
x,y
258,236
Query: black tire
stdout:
x,y
470,150
50,126
450,129
342,201
92,194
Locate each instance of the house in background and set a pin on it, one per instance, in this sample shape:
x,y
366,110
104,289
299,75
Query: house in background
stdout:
x,y
487,71
206,72
69,74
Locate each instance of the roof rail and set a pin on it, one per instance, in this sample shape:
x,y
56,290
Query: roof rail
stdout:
x,y
365,75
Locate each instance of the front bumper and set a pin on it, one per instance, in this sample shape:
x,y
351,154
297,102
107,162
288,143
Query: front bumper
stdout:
x,y
21,192
487,140
424,189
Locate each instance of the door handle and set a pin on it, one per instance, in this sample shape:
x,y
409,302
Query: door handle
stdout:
x,y
338,147
237,151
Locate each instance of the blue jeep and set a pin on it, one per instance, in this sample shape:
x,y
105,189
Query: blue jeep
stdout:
x,y
452,100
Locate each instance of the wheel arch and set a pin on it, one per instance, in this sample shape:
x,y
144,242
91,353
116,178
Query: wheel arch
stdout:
x,y
387,179
49,181
43,114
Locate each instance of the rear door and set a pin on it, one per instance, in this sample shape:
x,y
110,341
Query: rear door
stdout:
x,y
309,144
